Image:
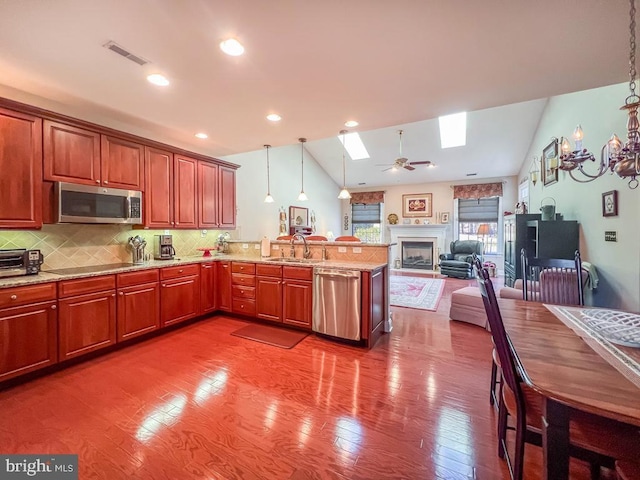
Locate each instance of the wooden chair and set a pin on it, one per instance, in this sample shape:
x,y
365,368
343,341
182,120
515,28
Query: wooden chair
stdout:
x,y
318,238
348,238
628,470
284,237
553,280
594,439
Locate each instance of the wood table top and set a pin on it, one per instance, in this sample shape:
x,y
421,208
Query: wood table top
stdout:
x,y
560,365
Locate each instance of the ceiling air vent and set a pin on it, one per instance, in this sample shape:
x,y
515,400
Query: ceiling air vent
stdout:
x,y
114,47
471,174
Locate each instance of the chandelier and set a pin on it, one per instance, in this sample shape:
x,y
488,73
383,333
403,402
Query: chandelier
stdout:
x,y
624,160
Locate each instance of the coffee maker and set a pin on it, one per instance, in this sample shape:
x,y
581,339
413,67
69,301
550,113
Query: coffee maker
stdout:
x,y
163,247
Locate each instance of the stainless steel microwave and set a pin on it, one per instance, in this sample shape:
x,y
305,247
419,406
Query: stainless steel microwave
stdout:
x,y
91,204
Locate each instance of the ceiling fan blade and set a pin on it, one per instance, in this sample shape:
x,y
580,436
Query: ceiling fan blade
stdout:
x,y
422,163
386,169
409,167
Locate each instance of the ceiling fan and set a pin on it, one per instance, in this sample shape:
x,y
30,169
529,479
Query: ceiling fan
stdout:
x,y
403,162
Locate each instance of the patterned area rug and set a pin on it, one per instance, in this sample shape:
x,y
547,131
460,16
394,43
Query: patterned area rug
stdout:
x,y
415,292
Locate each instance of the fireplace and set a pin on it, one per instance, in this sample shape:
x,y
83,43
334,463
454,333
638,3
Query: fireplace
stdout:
x,y
417,254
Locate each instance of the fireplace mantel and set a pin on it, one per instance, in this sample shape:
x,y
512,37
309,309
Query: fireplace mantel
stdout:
x,y
437,233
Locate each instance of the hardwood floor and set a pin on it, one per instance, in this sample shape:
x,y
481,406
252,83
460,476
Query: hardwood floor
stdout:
x,y
198,403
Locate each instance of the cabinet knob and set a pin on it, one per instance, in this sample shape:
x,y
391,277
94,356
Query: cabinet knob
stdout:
x,y
121,293
106,182
53,307
98,180
177,223
14,297
113,294
164,284
180,271
241,306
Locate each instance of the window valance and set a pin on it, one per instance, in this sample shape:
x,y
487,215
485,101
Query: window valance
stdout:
x,y
478,190
367,197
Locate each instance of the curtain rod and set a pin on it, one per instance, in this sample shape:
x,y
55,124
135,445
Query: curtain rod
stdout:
x,y
504,182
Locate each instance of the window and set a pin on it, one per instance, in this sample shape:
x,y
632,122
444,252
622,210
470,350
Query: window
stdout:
x,y
475,212
365,222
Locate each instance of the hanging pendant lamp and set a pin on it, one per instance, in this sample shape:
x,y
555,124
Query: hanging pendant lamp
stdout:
x,y
303,196
344,193
268,198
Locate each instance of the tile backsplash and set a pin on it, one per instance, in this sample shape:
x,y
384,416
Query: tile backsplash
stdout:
x,y
77,245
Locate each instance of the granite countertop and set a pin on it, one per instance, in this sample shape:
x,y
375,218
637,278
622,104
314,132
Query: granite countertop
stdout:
x,y
45,276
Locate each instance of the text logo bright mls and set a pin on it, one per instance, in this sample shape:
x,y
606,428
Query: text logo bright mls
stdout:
x,y
52,467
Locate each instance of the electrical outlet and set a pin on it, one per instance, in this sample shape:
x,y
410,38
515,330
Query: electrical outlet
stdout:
x,y
357,250
275,247
256,246
203,233
342,249
245,245
166,232
610,236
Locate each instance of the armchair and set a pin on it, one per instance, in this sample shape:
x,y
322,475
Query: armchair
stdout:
x,y
459,263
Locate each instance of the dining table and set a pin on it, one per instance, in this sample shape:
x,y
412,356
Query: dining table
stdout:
x,y
571,367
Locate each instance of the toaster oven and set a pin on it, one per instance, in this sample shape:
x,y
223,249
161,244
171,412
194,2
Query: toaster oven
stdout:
x,y
20,261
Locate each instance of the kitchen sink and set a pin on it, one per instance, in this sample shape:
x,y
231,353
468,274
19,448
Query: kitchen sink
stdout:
x,y
293,260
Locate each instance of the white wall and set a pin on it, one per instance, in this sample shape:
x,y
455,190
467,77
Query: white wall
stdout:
x,y
256,218
618,264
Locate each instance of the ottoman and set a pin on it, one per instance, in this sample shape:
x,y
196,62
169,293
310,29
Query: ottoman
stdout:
x,y
467,306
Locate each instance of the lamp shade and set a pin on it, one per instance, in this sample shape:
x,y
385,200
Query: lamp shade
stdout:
x,y
484,229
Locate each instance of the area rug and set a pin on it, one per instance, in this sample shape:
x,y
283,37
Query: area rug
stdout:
x,y
278,337
415,292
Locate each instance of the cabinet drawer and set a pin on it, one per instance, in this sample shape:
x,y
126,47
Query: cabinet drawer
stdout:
x,y
68,288
242,279
243,267
13,297
239,291
179,271
244,306
297,273
264,270
138,278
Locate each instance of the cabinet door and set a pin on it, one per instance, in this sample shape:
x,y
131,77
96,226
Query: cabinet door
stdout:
x,y
208,288
207,195
297,303
227,209
158,194
223,286
122,164
138,310
86,323
21,170
185,206
28,339
180,300
71,154
269,298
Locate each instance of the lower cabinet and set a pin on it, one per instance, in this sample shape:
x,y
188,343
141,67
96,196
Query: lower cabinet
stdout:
x,y
223,286
269,292
243,288
179,293
374,304
138,304
28,330
86,322
208,295
297,298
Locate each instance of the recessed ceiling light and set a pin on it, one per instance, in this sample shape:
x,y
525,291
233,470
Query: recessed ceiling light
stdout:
x,y
355,147
274,117
232,47
202,135
453,130
158,79
351,123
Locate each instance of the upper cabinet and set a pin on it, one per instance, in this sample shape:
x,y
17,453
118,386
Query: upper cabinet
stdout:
x,y
158,195
184,187
227,196
216,196
20,170
77,155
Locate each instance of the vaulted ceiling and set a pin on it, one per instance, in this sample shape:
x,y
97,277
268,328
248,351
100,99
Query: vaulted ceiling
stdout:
x,y
387,64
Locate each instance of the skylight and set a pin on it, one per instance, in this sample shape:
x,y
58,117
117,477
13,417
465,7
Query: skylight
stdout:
x,y
355,147
453,130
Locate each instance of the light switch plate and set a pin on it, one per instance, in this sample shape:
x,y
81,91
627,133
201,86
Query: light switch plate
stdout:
x,y
275,247
610,236
342,249
245,245
357,250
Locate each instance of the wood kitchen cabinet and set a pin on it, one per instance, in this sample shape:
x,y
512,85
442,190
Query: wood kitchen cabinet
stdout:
x,y
269,292
216,196
122,163
28,329
86,316
297,299
227,198
208,301
374,307
138,303
243,288
179,293
223,286
21,167
185,187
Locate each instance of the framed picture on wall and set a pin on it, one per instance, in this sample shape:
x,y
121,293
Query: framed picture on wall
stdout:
x,y
549,161
610,204
416,205
298,216
444,217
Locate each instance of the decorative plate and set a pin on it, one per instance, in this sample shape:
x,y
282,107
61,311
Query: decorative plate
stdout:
x,y
393,219
620,328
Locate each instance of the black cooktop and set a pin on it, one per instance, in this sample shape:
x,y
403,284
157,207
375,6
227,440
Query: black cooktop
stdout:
x,y
89,269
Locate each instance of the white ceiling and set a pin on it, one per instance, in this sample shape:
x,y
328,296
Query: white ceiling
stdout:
x,y
388,64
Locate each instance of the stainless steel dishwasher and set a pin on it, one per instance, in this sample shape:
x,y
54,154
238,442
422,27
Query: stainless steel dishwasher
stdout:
x,y
336,302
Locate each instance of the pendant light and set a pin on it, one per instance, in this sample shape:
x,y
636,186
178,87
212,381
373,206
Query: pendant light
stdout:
x,y
344,193
268,198
303,196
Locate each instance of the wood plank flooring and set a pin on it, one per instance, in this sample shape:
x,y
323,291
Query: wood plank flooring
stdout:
x,y
198,403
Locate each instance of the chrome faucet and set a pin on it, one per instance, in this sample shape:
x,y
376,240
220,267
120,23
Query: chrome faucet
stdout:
x,y
307,252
